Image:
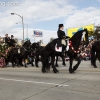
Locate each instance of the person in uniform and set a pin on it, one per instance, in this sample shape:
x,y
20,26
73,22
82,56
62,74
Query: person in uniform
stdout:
x,y
61,36
12,41
7,39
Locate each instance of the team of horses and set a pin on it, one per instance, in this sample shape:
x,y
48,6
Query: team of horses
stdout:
x,y
35,52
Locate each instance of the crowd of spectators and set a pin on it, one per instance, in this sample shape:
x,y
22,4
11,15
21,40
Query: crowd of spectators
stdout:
x,y
86,51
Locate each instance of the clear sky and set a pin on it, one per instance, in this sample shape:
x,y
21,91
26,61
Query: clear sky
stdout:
x,y
45,15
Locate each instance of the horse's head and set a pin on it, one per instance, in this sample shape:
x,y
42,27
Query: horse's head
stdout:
x,y
35,45
78,36
27,45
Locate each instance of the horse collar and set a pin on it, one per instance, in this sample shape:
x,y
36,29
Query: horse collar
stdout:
x,y
70,44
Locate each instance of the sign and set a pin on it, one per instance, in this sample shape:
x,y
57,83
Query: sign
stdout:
x,y
37,33
72,31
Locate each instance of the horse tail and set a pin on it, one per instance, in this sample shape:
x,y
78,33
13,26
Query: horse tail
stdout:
x,y
93,57
48,64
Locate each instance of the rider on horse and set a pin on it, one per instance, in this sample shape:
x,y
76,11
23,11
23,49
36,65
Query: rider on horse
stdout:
x,y
61,36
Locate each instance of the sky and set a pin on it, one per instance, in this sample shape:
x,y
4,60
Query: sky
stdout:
x,y
45,15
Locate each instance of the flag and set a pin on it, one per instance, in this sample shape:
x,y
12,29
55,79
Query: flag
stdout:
x,y
72,31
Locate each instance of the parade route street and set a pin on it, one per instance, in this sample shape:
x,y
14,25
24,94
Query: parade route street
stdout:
x,y
31,84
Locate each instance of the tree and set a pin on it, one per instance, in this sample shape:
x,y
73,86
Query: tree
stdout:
x,y
95,33
51,39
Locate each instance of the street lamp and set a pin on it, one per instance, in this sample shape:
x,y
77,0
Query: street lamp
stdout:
x,y
22,22
26,26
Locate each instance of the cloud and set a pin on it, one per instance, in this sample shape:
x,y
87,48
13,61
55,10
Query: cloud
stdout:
x,y
42,10
33,11
83,17
48,9
18,33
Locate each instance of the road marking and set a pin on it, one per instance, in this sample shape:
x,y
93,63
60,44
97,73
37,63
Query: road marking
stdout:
x,y
15,80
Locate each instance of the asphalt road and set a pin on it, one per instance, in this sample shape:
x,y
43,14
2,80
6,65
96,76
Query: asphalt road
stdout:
x,y
31,84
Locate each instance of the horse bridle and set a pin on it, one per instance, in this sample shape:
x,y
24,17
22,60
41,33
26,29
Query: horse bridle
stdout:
x,y
24,49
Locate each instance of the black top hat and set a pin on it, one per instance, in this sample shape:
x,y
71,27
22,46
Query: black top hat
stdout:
x,y
60,25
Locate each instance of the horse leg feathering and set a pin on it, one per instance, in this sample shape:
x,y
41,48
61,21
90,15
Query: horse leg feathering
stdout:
x,y
93,58
78,63
37,60
52,62
44,64
70,67
56,62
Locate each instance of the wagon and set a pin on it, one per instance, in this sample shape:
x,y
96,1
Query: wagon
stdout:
x,y
3,54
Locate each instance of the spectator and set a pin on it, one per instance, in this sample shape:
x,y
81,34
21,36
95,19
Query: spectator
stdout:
x,y
86,52
7,40
12,41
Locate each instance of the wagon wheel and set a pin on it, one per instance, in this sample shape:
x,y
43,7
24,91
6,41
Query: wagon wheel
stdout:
x,y
2,62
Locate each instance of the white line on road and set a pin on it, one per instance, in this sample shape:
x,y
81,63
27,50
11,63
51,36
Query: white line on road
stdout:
x,y
15,80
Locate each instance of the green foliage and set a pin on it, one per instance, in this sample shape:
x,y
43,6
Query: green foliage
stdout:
x,y
3,48
95,33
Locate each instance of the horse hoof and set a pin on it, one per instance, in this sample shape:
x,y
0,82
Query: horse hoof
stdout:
x,y
71,71
64,64
56,71
95,67
56,65
43,71
37,66
32,65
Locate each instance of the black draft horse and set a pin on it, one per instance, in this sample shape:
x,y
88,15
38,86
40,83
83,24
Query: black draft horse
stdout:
x,y
95,53
34,47
63,59
38,52
39,56
19,54
72,52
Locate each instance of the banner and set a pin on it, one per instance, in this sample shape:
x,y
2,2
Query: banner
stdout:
x,y
37,33
72,31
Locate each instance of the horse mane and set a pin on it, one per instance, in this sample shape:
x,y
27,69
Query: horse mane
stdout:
x,y
24,42
77,34
76,39
52,42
